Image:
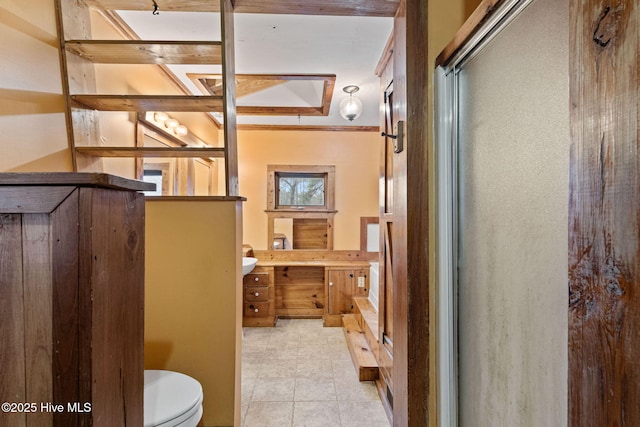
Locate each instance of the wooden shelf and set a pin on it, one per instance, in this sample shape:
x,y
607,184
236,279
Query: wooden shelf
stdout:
x,y
147,52
151,151
169,103
184,5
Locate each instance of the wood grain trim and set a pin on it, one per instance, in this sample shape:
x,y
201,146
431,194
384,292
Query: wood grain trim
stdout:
x,y
28,199
149,103
146,52
383,8
468,29
364,224
172,152
247,84
604,219
387,54
71,179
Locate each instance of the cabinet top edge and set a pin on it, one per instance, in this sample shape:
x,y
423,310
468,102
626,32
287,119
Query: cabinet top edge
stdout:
x,y
78,179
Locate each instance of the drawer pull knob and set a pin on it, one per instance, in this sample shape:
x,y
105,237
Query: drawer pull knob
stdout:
x,y
256,310
330,283
257,279
257,294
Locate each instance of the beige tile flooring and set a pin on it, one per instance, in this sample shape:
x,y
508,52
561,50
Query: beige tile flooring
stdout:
x,y
299,373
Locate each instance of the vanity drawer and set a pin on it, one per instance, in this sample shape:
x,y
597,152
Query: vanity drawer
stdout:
x,y
256,293
256,279
256,309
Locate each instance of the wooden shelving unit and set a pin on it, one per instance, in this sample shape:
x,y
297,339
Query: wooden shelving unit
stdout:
x,y
80,53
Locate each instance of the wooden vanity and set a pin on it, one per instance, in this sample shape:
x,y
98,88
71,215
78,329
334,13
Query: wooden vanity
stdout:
x,y
303,289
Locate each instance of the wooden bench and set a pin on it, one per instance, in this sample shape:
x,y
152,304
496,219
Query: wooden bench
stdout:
x,y
363,358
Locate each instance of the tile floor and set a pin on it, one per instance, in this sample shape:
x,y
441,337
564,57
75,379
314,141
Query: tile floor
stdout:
x,y
300,374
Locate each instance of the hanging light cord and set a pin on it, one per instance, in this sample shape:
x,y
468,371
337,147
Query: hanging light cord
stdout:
x,y
155,8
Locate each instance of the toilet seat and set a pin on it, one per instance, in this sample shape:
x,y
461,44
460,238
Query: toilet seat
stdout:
x,y
171,399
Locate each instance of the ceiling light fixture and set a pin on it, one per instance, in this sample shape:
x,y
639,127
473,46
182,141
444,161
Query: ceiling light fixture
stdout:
x,y
350,107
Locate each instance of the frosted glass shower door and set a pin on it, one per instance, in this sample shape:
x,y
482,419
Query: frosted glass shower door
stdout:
x,y
512,195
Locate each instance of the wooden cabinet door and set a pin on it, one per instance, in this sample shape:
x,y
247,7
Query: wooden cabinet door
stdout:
x,y
340,289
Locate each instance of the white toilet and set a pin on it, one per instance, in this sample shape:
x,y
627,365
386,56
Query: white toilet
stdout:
x,y
171,399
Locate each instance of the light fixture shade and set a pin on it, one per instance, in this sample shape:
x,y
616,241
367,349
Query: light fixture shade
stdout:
x,y
181,130
160,117
171,123
350,108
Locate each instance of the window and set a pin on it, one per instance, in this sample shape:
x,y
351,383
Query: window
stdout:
x,y
306,188
300,207
299,190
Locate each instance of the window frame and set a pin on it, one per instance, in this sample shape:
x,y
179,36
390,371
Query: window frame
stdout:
x,y
312,171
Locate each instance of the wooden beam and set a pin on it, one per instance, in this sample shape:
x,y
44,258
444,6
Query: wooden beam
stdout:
x,y
604,213
147,52
229,105
172,152
251,83
320,7
291,7
148,103
311,128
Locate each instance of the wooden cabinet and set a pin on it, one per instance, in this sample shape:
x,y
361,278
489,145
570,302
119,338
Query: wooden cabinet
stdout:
x,y
258,298
72,298
342,285
299,290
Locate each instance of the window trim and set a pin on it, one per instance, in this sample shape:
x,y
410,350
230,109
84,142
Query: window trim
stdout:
x,y
328,172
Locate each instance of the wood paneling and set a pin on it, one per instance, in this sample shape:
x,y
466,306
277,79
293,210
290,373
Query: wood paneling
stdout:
x,y
65,294
604,303
12,350
36,200
310,233
38,309
71,304
299,291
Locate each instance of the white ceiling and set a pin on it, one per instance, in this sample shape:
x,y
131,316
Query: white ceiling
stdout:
x,y
348,47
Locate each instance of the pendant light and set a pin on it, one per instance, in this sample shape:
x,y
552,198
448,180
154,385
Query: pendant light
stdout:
x,y
351,106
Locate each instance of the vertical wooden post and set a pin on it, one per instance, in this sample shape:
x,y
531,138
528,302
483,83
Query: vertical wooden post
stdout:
x,y
604,293
229,95
411,350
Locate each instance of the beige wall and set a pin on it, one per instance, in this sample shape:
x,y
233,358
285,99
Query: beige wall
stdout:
x,y
193,297
355,155
32,122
